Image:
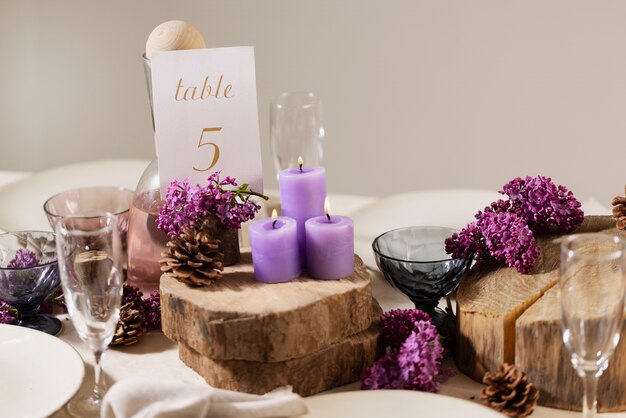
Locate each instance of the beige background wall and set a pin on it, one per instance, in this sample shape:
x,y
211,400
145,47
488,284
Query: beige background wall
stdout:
x,y
417,94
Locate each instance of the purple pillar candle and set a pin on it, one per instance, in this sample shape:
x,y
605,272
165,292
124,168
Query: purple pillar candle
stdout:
x,y
275,254
302,194
330,247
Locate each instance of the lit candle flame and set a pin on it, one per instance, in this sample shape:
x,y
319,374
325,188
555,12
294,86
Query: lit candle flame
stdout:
x,y
327,208
300,162
274,218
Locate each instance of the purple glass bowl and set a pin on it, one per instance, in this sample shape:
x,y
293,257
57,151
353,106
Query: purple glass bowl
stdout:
x,y
26,287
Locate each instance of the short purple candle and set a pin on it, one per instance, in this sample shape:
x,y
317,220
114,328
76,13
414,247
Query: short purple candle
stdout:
x,y
275,254
302,194
330,247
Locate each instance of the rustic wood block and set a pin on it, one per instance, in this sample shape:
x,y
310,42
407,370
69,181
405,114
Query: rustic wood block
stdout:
x,y
539,350
241,319
338,364
491,298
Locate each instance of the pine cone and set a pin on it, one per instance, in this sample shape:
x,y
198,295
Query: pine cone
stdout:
x,y
130,327
619,211
193,258
509,391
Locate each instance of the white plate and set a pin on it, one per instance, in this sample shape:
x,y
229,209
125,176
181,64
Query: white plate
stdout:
x,y
40,372
394,403
453,208
21,202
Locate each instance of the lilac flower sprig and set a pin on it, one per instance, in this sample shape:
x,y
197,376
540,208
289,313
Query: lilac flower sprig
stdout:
x,y
185,204
504,230
8,314
150,307
414,358
542,203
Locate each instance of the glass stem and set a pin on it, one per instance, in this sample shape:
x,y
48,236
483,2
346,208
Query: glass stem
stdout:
x,y
99,385
590,381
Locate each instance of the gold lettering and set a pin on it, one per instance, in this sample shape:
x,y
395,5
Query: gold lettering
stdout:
x,y
193,93
219,86
227,90
180,85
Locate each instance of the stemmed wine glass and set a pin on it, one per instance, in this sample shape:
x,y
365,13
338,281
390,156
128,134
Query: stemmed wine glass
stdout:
x,y
592,305
296,129
90,266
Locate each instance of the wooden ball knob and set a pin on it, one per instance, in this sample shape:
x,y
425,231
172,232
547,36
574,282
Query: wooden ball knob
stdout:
x,y
172,36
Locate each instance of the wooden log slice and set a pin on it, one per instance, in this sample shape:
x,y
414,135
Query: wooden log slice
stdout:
x,y
338,364
540,352
239,318
492,296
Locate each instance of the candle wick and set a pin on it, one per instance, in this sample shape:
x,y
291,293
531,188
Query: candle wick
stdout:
x,y
301,167
274,224
328,216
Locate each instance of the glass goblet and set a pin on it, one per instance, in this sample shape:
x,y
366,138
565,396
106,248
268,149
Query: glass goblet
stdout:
x,y
90,266
592,305
296,129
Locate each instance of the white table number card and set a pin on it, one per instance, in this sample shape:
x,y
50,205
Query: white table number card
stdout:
x,y
205,115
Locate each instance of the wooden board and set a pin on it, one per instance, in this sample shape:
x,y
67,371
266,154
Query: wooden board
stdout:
x,y
241,319
539,328
491,298
335,365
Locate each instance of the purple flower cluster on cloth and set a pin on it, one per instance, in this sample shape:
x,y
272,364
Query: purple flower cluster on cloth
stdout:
x,y
150,307
153,310
7,313
185,204
24,258
414,359
399,324
504,230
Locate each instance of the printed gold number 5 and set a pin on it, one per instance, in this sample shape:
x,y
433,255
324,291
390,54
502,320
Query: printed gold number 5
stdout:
x,y
216,154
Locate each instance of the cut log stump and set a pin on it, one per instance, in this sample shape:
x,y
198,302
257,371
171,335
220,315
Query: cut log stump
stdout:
x,y
505,316
239,318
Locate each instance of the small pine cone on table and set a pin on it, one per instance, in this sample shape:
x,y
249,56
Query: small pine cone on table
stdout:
x,y
619,211
193,258
509,391
130,327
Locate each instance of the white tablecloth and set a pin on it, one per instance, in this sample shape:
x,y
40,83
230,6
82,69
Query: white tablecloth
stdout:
x,y
156,356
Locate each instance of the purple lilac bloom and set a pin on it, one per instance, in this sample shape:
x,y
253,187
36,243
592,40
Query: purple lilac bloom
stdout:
x,y
6,313
416,365
131,294
185,204
153,310
499,231
542,203
150,307
508,238
24,258
467,243
399,324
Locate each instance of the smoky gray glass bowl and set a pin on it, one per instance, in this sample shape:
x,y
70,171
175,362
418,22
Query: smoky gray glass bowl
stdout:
x,y
26,285
414,261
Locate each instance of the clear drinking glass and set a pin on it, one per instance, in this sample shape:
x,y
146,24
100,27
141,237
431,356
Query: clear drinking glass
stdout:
x,y
592,305
90,266
296,129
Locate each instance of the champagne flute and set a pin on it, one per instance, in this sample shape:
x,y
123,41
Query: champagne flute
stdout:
x,y
90,266
592,305
296,129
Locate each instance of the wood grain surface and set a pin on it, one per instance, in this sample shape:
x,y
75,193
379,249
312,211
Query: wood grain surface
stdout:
x,y
505,316
241,319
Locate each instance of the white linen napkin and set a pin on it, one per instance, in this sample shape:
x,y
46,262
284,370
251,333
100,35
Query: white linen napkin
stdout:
x,y
150,398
